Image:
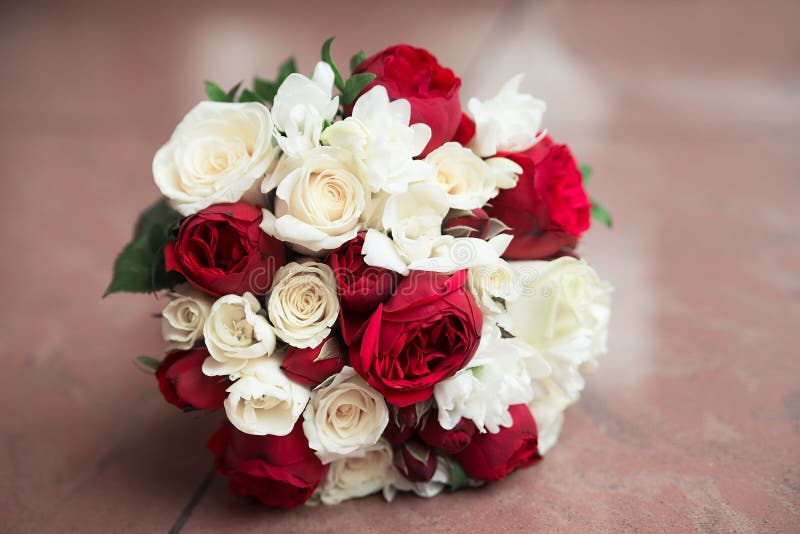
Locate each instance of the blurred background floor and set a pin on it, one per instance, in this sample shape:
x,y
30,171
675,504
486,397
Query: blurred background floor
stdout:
x,y
687,110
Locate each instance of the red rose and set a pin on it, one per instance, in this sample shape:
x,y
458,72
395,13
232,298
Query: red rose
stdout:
x,y
222,251
548,209
415,461
450,441
425,333
183,384
279,471
311,366
492,456
361,287
466,130
432,90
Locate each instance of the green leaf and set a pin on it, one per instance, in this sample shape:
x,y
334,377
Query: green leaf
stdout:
x,y
459,478
139,268
601,214
287,67
326,57
355,85
250,96
586,174
357,60
264,89
232,92
150,363
215,93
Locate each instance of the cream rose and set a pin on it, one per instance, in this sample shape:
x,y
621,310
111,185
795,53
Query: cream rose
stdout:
x,y
303,304
345,416
263,400
217,154
235,333
359,476
319,200
183,318
467,180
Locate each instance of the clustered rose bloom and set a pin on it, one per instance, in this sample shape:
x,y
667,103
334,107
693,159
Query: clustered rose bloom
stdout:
x,y
426,332
279,471
548,209
221,251
350,291
432,90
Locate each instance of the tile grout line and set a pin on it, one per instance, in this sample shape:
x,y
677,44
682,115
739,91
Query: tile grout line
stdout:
x,y
193,502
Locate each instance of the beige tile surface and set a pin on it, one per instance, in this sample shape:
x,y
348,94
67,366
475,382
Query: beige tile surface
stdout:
x,y
688,112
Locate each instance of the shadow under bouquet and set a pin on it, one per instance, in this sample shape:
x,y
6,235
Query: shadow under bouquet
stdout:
x,y
378,289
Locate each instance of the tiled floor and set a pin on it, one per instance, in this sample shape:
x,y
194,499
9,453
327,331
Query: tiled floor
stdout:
x,y
688,112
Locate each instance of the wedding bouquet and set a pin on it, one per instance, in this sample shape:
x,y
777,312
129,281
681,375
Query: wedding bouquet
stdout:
x,y
380,290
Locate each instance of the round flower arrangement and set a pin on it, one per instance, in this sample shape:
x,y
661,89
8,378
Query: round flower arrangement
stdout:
x,y
379,289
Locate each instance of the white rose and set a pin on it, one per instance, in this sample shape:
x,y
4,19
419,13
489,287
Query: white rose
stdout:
x,y
571,307
498,376
359,476
467,180
263,400
301,107
235,333
319,200
379,135
345,416
509,122
183,318
217,153
549,403
303,303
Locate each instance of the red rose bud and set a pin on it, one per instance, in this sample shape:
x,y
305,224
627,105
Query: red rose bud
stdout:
x,y
415,461
222,251
279,471
432,90
426,332
548,209
402,423
361,287
462,223
312,366
466,130
450,441
183,384
492,456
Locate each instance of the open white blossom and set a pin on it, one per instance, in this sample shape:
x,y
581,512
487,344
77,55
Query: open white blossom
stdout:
x,y
468,181
218,153
301,107
379,135
319,201
264,400
303,303
498,376
183,318
509,122
549,403
235,333
359,476
345,416
563,311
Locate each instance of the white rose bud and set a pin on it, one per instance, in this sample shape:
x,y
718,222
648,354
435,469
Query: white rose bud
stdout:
x,y
235,333
359,476
183,319
345,416
263,400
468,181
509,122
217,154
319,200
303,304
